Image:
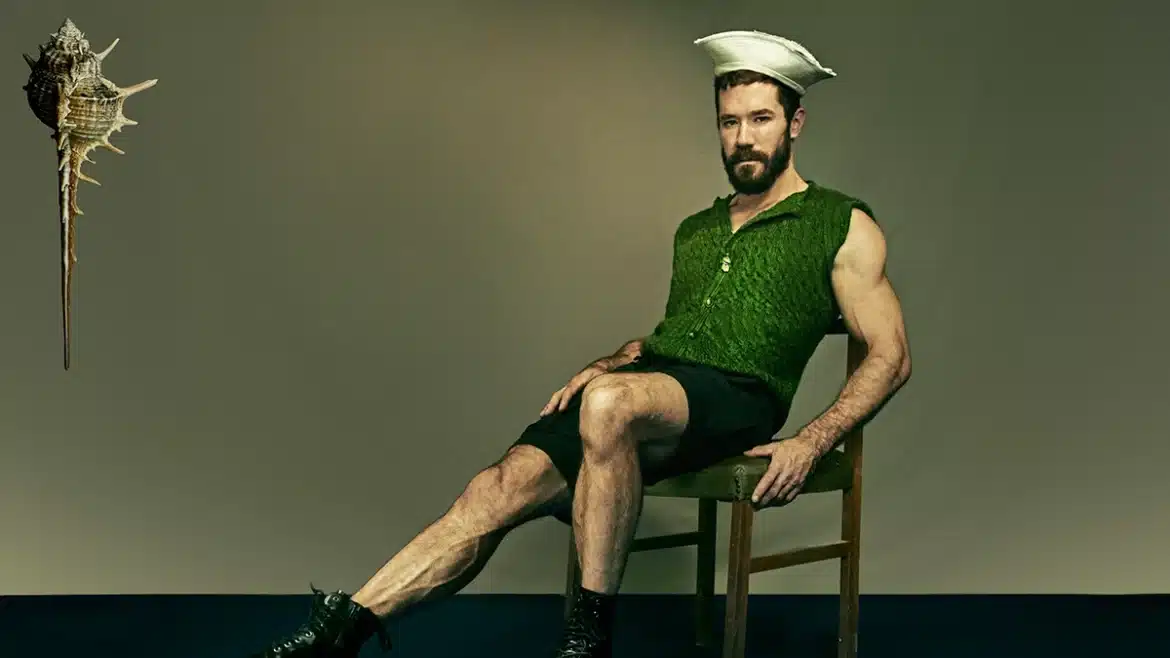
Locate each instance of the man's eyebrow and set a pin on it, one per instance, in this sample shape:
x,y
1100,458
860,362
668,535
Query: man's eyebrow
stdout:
x,y
754,113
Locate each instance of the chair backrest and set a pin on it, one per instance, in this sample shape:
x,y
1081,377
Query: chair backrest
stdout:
x,y
855,352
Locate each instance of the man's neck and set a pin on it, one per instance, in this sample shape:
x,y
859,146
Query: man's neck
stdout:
x,y
790,182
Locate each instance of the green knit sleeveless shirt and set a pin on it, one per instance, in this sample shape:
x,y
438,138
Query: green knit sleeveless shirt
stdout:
x,y
758,301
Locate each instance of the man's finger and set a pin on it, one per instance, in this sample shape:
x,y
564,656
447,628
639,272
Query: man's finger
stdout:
x,y
766,481
783,481
791,487
759,451
770,493
568,392
778,489
761,488
552,403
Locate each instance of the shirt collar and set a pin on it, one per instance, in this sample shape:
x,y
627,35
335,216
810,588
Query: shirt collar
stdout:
x,y
793,204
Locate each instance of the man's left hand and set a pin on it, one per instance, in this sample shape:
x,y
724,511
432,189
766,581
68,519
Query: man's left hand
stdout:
x,y
791,462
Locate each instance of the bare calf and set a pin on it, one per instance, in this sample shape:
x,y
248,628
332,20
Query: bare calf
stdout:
x,y
446,556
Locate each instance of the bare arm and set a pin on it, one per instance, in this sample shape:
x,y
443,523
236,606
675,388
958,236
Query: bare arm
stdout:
x,y
872,315
627,353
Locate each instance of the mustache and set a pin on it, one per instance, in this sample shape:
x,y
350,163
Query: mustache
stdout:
x,y
746,155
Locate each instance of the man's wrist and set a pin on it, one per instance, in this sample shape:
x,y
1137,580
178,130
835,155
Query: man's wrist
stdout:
x,y
614,361
605,363
820,441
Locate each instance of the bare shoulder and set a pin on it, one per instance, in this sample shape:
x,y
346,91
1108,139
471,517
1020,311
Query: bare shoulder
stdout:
x,y
867,300
864,248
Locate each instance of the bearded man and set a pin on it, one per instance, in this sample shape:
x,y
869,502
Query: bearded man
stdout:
x,y
758,279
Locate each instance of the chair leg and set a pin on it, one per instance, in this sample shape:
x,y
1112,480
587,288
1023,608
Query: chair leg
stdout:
x,y
850,581
572,574
739,563
705,574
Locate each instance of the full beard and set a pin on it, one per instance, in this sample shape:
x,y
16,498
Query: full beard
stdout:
x,y
739,172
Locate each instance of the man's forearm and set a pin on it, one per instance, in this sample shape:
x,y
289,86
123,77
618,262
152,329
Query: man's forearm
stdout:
x,y
874,382
627,353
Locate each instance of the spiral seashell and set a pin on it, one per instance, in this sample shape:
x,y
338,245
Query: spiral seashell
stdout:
x,y
67,93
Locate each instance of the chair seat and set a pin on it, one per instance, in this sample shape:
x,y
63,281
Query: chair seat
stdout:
x,y
734,479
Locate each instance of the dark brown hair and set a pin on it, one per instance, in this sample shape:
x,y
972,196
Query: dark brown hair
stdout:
x,y
789,99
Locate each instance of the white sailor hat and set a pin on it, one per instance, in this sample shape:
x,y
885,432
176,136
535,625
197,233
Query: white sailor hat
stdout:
x,y
783,59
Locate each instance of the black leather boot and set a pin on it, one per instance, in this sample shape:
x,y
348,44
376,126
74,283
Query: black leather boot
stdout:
x,y
588,631
337,628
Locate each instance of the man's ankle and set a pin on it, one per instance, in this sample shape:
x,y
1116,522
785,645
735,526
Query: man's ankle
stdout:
x,y
595,609
589,630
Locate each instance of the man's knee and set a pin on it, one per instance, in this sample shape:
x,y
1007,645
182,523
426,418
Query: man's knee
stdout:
x,y
610,404
614,397
623,410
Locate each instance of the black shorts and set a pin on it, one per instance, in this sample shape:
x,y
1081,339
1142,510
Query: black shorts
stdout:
x,y
728,413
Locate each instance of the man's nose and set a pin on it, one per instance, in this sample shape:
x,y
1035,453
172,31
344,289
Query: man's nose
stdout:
x,y
743,136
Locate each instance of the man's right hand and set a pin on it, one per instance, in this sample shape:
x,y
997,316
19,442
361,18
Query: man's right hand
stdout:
x,y
560,399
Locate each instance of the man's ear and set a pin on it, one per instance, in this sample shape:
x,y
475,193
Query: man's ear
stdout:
x,y
796,123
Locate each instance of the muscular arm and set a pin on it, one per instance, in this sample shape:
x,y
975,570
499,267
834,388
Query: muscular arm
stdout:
x,y
873,315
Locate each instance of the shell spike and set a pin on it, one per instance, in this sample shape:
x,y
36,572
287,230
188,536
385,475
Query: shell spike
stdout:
x,y
32,63
102,55
106,143
134,89
69,29
81,176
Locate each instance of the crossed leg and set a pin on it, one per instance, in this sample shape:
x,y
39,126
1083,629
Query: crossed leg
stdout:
x,y
624,417
626,422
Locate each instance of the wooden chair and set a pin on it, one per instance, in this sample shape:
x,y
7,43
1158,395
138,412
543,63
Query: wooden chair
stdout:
x,y
732,482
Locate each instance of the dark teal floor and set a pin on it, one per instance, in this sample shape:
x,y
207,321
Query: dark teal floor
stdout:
x,y
499,626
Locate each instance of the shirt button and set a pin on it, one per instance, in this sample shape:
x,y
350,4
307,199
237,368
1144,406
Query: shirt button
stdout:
x,y
707,301
690,334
